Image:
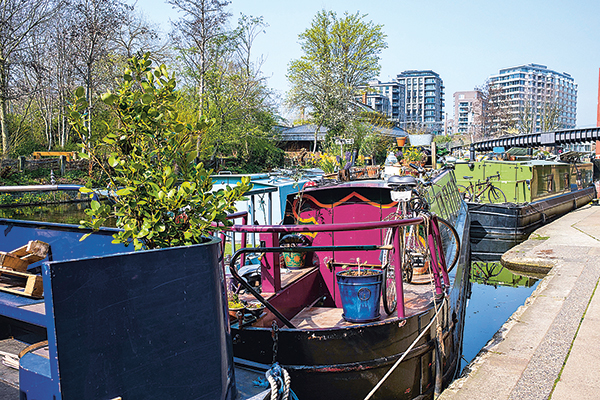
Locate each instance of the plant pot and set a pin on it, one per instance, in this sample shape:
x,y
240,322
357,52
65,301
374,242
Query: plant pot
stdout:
x,y
294,260
420,140
255,308
401,141
140,298
234,310
360,294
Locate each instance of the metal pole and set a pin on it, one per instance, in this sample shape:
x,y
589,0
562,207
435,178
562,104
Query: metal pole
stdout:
x,y
398,272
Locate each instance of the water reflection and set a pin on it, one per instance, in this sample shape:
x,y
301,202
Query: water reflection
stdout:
x,y
494,274
496,293
64,213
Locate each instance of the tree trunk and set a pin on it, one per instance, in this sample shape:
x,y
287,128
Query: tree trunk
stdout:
x,y
3,107
316,138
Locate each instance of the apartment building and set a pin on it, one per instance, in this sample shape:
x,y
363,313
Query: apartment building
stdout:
x,y
532,95
387,98
467,112
424,99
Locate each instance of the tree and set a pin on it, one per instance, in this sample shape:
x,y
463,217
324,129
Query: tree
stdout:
x,y
340,54
200,29
19,21
163,199
138,36
93,28
236,93
539,116
495,118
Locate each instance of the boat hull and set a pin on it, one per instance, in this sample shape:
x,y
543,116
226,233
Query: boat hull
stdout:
x,y
495,228
348,361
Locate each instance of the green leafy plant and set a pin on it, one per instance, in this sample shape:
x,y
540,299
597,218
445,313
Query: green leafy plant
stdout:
x,y
162,198
413,154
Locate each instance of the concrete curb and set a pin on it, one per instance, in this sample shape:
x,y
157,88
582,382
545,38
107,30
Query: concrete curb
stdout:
x,y
527,356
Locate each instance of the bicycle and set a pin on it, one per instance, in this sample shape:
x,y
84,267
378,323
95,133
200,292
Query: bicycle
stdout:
x,y
475,191
416,253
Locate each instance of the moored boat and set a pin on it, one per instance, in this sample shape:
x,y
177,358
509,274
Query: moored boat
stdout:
x,y
304,327
537,192
115,323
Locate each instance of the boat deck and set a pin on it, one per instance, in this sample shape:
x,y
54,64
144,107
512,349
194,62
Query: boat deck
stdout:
x,y
417,299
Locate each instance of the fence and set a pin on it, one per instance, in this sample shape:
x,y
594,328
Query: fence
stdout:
x,y
60,164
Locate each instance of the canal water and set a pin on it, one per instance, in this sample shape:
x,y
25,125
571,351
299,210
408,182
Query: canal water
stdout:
x,y
496,292
64,213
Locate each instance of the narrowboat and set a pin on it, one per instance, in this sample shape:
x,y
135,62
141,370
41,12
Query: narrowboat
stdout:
x,y
410,353
94,320
537,192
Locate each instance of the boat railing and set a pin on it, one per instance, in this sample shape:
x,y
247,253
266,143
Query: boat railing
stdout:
x,y
270,269
243,215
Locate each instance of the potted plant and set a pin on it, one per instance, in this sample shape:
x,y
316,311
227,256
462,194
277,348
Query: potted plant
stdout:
x,y
164,205
235,305
412,155
162,197
360,292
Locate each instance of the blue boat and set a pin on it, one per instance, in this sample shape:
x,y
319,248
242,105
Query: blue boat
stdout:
x,y
118,324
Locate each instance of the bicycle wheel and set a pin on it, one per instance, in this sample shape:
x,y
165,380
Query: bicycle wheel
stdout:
x,y
416,255
465,193
495,195
450,243
390,300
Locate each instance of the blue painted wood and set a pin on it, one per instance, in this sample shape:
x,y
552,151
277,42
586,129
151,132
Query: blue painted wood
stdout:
x,y
34,377
146,325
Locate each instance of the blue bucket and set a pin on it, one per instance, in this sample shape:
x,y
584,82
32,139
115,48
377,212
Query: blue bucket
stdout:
x,y
360,295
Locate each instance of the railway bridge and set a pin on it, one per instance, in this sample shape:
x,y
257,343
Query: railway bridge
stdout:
x,y
555,138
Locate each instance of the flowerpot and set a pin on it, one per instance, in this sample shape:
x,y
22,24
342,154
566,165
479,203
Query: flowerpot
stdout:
x,y
234,310
255,308
294,260
360,294
140,298
420,140
401,141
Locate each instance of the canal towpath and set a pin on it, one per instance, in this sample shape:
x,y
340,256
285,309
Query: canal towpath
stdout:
x,y
550,347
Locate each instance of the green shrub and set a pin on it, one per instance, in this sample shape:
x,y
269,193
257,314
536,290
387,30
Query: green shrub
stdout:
x,y
162,198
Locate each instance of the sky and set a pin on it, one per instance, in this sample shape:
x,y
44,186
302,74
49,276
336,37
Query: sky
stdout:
x,y
464,41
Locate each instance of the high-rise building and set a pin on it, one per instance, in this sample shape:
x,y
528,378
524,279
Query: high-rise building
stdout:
x,y
467,112
424,99
387,98
535,98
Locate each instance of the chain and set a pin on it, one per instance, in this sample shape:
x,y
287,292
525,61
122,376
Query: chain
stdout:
x,y
275,336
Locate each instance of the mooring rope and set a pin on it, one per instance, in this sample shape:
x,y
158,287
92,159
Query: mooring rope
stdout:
x,y
397,363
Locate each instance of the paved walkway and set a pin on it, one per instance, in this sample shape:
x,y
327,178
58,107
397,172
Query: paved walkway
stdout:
x,y
550,347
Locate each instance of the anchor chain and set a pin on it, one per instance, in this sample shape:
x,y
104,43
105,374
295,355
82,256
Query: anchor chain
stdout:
x,y
275,336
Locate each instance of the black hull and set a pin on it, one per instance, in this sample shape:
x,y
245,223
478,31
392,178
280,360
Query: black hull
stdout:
x,y
347,363
495,228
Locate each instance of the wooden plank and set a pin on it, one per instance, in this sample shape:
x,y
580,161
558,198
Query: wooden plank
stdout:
x,y
20,252
23,284
20,258
10,261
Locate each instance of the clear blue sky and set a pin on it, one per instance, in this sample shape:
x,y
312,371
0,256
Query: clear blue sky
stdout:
x,y
463,41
